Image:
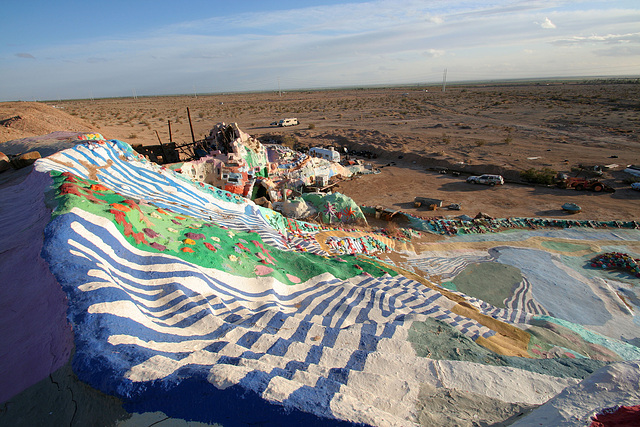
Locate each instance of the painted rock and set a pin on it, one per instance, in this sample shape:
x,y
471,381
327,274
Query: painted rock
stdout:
x,y
24,160
4,162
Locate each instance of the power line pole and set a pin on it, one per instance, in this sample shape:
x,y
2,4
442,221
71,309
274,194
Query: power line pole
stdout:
x,y
444,80
279,92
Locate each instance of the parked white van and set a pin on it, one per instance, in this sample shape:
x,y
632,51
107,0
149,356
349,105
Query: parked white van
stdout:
x,y
288,122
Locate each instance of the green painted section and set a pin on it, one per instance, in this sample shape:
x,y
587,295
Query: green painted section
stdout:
x,y
564,247
256,160
207,244
449,285
335,207
174,166
437,340
602,343
491,282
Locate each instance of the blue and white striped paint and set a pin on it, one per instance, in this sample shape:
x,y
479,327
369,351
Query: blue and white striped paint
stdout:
x,y
164,334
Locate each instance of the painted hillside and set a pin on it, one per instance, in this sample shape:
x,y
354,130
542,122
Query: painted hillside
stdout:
x,y
186,299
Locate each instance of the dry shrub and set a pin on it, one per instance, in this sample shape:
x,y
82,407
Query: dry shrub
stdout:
x,y
289,140
508,139
545,176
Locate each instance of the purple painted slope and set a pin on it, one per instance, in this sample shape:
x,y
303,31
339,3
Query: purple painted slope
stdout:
x,y
35,337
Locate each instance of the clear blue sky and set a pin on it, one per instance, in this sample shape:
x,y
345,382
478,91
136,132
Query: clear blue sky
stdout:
x,y
79,49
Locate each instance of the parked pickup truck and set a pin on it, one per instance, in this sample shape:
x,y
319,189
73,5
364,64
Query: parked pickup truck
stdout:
x,y
486,179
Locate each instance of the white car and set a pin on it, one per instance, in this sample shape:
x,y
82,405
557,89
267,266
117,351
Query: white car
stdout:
x,y
486,179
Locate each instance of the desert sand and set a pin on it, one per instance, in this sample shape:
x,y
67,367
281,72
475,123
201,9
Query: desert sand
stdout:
x,y
492,128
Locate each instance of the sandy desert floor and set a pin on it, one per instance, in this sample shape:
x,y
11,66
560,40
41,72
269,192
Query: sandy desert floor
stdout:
x,y
481,128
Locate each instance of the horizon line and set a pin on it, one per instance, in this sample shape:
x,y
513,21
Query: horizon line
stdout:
x,y
523,80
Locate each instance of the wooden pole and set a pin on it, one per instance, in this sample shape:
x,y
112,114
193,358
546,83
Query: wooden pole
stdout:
x,y
170,137
193,138
164,153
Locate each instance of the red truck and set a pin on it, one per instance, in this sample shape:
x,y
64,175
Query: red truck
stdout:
x,y
580,183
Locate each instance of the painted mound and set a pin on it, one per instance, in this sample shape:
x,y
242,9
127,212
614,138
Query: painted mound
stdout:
x,y
192,301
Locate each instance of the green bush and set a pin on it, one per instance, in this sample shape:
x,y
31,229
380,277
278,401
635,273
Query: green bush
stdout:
x,y
545,176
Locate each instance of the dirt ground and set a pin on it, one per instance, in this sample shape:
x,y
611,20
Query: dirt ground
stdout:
x,y
397,186
493,128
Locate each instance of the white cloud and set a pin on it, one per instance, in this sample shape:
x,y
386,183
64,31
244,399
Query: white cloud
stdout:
x,y
547,24
434,53
435,19
600,39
